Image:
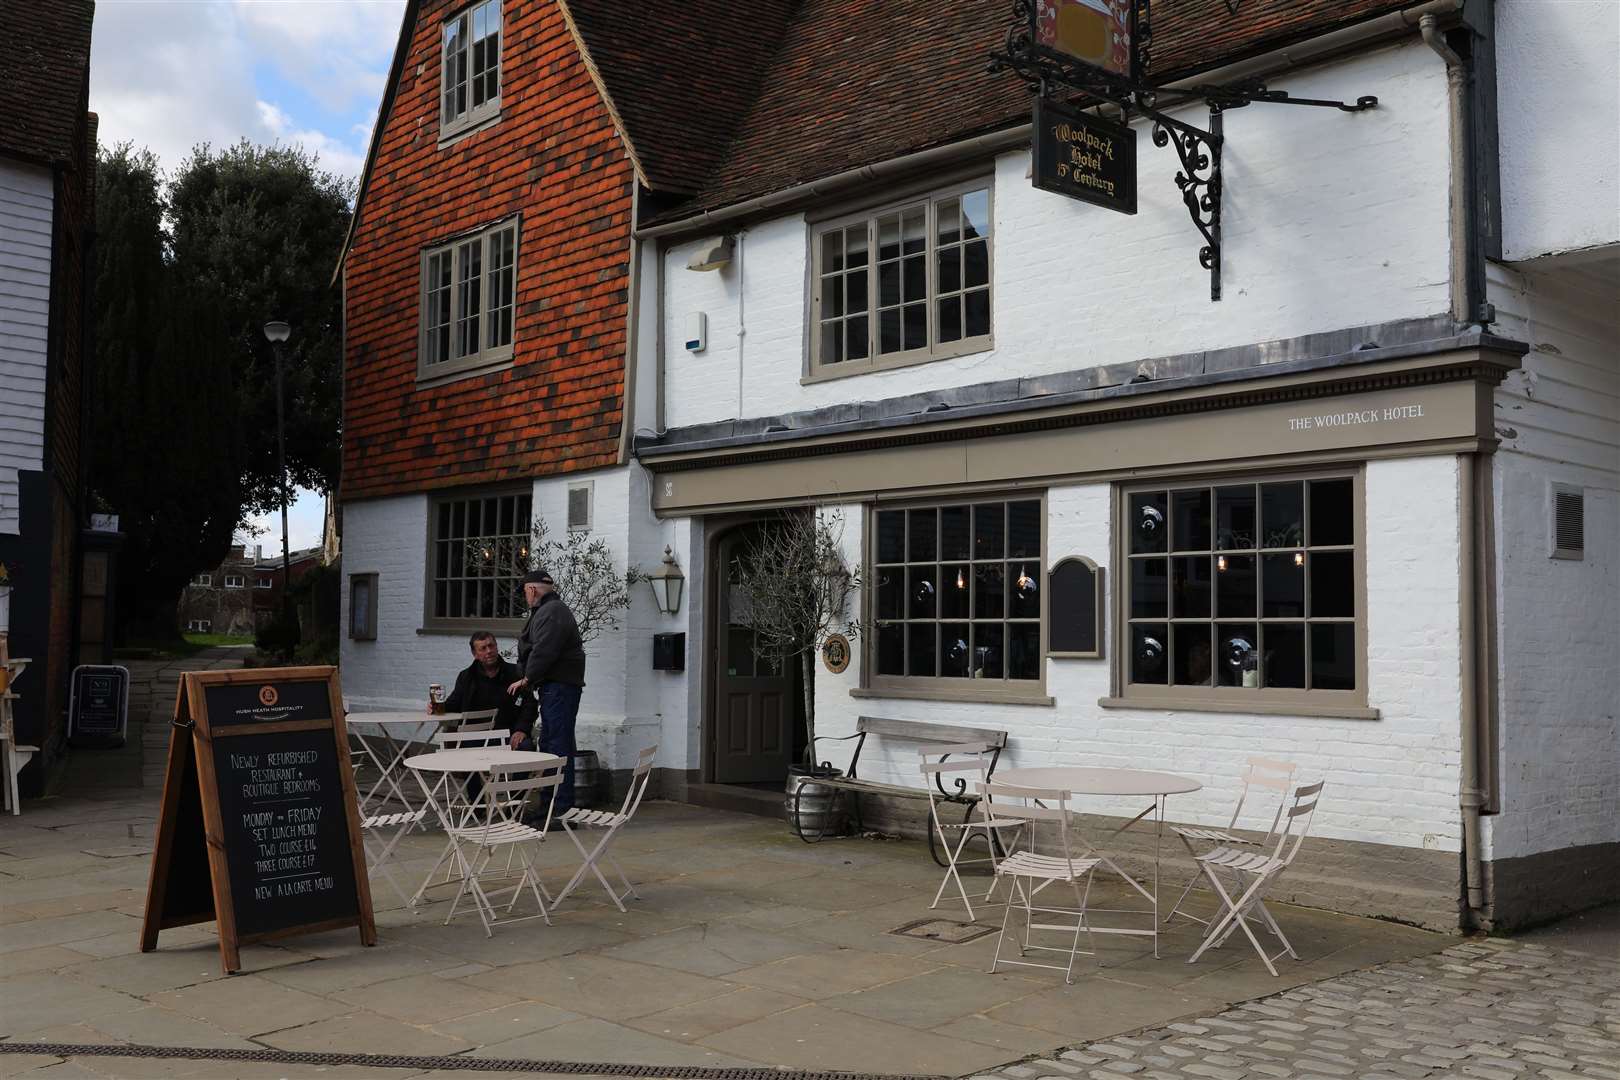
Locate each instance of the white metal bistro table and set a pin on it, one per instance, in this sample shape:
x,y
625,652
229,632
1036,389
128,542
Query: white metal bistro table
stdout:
x,y
387,746
447,799
1086,780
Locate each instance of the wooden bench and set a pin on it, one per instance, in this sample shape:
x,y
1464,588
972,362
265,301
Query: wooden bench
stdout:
x,y
914,731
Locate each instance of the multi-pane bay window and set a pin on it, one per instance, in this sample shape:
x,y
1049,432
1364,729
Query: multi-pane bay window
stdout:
x,y
470,75
957,595
468,291
478,552
1244,590
905,284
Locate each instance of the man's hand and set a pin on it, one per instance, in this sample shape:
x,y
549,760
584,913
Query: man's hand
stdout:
x,y
517,739
519,685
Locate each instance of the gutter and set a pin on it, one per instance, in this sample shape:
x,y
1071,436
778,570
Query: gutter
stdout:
x,y
1384,27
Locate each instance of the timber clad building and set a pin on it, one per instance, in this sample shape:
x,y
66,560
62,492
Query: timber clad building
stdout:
x,y
665,279
47,226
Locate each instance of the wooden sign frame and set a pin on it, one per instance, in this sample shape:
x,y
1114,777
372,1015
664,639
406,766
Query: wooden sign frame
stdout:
x,y
191,792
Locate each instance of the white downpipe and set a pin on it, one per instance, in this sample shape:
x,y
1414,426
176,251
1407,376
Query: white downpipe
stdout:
x,y
742,324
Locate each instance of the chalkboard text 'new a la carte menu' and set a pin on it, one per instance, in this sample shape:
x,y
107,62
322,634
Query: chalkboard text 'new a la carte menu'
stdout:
x,y
261,757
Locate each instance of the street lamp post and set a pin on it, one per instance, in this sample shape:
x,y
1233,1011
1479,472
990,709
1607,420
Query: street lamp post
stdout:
x,y
277,332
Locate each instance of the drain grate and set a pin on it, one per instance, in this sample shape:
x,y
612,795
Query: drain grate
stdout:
x,y
948,931
426,1063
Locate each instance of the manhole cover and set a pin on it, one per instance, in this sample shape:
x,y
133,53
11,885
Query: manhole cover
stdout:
x,y
948,931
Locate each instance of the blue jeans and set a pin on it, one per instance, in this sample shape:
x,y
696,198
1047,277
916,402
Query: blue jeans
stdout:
x,y
559,708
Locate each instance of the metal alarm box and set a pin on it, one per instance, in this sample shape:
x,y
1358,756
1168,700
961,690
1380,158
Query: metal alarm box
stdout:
x,y
669,652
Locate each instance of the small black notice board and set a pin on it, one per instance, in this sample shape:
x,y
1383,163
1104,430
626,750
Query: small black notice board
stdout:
x,y
98,705
1076,603
1084,157
260,827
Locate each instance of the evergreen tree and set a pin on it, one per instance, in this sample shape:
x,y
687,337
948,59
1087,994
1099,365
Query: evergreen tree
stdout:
x,y
164,455
259,229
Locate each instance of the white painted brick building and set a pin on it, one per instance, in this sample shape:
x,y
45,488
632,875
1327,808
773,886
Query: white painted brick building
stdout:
x,y
1428,379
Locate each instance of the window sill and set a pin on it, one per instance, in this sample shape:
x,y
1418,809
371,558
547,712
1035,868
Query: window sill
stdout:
x,y
964,694
971,347
1260,708
467,626
467,127
439,377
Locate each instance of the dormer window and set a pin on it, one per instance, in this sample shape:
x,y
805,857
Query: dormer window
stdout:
x,y
470,82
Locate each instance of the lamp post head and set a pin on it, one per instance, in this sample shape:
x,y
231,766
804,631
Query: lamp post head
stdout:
x,y
277,331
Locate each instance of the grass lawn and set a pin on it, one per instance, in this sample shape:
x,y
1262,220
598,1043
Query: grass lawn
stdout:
x,y
188,644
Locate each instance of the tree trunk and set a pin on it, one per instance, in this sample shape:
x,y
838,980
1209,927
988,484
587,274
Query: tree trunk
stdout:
x,y
808,660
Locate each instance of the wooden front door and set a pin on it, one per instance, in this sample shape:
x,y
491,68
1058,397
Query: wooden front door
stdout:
x,y
755,706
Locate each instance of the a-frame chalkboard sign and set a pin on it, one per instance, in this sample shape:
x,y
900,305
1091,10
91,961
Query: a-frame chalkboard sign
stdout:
x,y
260,827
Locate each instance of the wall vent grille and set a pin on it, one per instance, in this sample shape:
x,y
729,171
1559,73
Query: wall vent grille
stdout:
x,y
1568,522
579,507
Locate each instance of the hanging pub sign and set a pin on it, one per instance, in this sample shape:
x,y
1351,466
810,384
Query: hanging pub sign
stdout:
x,y
259,830
1084,157
1100,34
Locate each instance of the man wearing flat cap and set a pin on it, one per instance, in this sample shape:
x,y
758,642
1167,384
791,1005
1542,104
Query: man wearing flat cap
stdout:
x,y
553,661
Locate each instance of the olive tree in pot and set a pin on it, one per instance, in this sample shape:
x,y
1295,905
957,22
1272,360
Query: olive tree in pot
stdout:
x,y
794,592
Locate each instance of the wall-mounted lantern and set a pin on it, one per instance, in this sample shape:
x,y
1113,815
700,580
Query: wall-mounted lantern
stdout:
x,y
667,582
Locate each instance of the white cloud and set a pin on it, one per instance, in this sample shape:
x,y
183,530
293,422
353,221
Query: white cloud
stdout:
x,y
170,74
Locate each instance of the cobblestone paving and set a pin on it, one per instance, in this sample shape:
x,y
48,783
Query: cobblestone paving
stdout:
x,y
1487,1009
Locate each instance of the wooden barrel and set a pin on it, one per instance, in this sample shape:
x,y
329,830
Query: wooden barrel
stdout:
x,y
587,779
814,810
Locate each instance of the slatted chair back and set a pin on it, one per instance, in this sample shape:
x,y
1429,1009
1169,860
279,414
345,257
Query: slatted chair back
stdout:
x,y
951,769
1266,773
639,778
477,720
1297,821
1036,807
464,740
509,788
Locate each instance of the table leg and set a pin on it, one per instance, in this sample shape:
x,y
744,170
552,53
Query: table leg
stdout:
x,y
1158,837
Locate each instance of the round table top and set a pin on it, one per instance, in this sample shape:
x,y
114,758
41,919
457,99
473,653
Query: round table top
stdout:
x,y
398,716
477,759
1081,780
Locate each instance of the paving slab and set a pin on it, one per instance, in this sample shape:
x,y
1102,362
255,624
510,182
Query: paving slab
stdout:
x,y
425,999
816,1037
502,1024
603,986
246,1004
593,1039
935,998
363,1028
694,1021
712,948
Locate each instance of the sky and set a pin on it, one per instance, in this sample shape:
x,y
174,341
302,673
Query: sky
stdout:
x,y
170,74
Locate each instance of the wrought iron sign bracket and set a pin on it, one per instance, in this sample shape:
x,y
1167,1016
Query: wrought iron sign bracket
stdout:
x,y
1198,150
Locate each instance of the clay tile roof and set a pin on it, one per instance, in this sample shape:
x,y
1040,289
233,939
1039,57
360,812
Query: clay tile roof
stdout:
x,y
681,74
853,82
43,71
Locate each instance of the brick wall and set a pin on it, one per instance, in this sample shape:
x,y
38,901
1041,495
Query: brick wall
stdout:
x,y
553,156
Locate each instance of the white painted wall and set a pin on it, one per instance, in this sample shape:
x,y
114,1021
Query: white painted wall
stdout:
x,y
1331,220
1559,626
1558,85
1390,781
25,302
618,715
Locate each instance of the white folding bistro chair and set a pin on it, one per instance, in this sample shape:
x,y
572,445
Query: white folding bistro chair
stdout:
x,y
476,720
500,825
609,822
1261,772
963,763
381,834
449,792
1258,870
1031,872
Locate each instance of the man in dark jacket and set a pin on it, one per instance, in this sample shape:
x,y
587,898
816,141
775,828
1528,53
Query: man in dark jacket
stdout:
x,y
553,661
485,684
